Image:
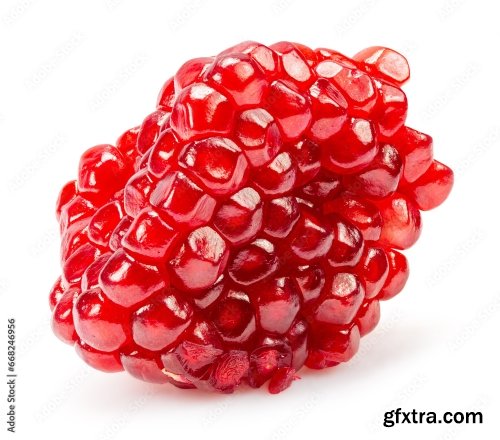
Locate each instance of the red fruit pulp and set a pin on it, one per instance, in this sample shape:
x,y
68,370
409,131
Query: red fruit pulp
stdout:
x,y
251,224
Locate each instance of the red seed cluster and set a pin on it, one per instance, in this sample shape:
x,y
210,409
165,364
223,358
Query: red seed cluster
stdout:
x,y
251,224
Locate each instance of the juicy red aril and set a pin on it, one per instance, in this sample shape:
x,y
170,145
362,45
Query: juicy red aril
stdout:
x,y
162,157
191,71
200,110
293,63
234,317
166,96
278,302
329,110
104,222
265,360
200,260
71,240
56,293
149,237
126,281
217,163
99,322
181,201
281,380
325,186
354,84
416,150
277,177
331,344
362,214
307,156
431,188
62,316
102,172
385,62
137,192
280,216
401,222
193,357
90,277
310,239
75,214
380,178
159,323
249,225
360,135
100,360
239,219
340,300
347,246
265,57
310,280
126,144
392,109
150,130
397,275
239,77
374,268
67,193
368,316
297,337
253,262
119,232
75,265
143,364
291,109
259,135
229,370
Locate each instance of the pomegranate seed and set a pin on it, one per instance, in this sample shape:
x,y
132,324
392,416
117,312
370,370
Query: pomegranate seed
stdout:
x,y
199,110
126,281
200,260
258,133
158,324
385,62
397,275
368,316
282,379
240,218
253,262
62,316
340,300
239,77
100,360
401,222
180,200
217,163
99,322
431,188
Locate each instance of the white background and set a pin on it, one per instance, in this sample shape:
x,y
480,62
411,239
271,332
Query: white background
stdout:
x,y
75,74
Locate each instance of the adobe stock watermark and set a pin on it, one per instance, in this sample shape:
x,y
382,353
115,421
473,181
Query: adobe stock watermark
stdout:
x,y
182,17
288,425
478,321
18,10
133,408
41,157
279,7
352,19
454,86
111,89
11,376
62,52
461,251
